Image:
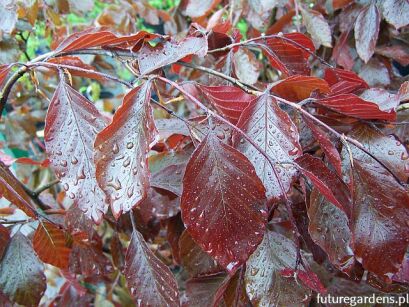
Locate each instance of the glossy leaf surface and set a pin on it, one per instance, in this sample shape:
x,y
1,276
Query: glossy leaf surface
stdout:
x,y
72,124
265,285
271,129
121,151
21,273
221,193
149,280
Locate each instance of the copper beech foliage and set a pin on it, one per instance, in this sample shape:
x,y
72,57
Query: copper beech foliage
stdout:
x,y
190,163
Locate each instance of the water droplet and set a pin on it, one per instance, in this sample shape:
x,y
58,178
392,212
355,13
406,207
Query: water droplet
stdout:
x,y
115,148
126,162
63,163
221,135
293,151
129,145
74,160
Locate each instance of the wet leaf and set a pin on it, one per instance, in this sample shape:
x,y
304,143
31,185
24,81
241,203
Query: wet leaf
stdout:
x,y
72,124
87,259
230,101
265,285
329,228
97,37
352,105
246,66
395,12
150,58
379,219
149,280
121,151
331,152
22,278
327,182
194,259
271,129
367,30
288,57
387,149
317,26
200,291
223,202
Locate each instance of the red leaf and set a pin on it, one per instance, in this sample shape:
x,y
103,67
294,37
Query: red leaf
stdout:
x,y
4,71
329,229
223,202
328,183
367,30
121,151
354,106
76,62
12,190
88,259
4,239
230,101
29,161
98,37
201,291
72,124
297,88
397,51
149,280
395,12
387,149
22,277
265,285
50,244
159,206
194,259
379,219
344,81
309,279
323,139
271,129
288,57
168,169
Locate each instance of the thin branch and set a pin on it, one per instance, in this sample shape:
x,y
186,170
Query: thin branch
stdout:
x,y
245,87
9,85
88,71
41,189
336,133
13,222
